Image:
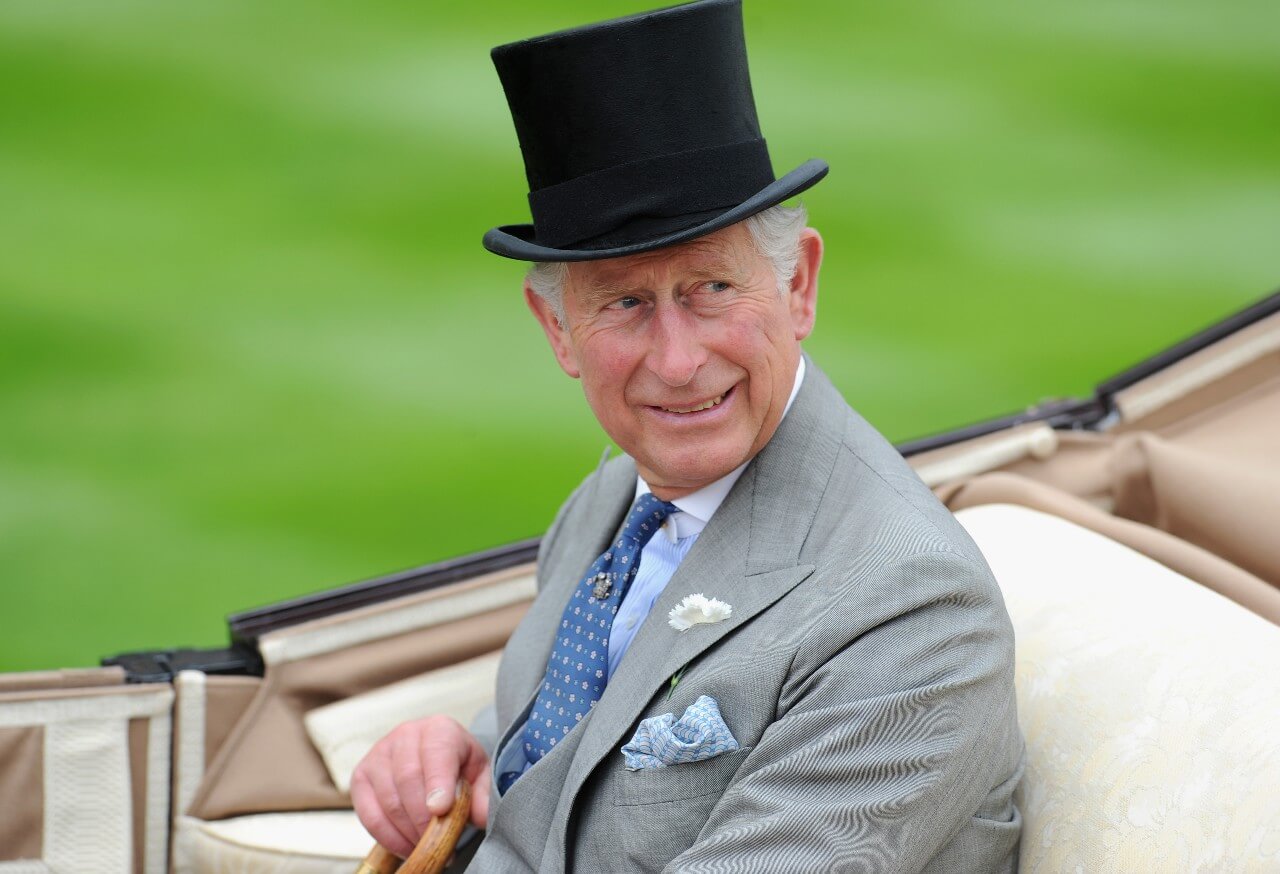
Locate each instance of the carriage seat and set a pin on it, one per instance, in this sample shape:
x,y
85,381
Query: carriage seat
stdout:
x,y
1146,701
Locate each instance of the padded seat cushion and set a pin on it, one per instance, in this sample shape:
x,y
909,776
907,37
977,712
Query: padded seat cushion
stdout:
x,y
346,730
1147,701
313,842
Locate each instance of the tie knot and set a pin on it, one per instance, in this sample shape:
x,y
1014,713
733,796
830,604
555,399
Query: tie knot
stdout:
x,y
646,517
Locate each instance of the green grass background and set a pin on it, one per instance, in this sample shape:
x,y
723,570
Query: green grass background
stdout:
x,y
250,346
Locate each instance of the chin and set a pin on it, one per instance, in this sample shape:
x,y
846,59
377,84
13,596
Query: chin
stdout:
x,y
694,469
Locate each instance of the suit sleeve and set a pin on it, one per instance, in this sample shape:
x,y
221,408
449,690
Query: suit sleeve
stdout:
x,y
895,740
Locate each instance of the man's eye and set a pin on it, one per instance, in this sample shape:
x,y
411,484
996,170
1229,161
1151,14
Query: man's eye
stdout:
x,y
626,303
716,286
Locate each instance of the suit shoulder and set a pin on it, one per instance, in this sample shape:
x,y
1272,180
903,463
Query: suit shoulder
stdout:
x,y
884,548
875,497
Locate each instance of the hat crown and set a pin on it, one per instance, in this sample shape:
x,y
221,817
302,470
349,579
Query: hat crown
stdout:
x,y
631,89
637,133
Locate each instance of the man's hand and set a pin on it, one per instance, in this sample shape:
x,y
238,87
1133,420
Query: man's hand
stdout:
x,y
412,775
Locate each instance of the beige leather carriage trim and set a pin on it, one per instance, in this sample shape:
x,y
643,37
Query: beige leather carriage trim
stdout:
x,y
88,800
344,731
188,758
392,618
25,866
1037,441
188,762
1198,370
184,844
61,679
156,833
129,702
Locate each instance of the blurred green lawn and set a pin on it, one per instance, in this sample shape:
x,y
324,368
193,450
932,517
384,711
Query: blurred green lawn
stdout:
x,y
250,346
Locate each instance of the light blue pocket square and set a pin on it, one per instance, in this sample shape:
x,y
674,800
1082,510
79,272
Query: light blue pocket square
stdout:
x,y
664,740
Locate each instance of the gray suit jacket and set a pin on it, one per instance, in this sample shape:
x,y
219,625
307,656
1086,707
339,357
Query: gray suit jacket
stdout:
x,y
866,671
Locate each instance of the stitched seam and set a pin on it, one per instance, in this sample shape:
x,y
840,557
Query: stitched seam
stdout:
x,y
946,540
883,569
711,790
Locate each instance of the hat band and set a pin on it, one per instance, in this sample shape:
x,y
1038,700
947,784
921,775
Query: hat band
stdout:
x,y
718,177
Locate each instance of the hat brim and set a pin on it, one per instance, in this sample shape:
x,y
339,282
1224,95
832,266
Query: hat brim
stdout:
x,y
518,241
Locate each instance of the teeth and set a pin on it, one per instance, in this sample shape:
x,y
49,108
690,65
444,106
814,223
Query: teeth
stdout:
x,y
708,405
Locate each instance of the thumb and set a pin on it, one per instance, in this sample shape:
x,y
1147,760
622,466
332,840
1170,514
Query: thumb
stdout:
x,y
441,795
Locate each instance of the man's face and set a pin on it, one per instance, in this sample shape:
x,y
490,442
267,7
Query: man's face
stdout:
x,y
687,354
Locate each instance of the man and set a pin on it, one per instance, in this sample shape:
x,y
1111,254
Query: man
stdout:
x,y
759,643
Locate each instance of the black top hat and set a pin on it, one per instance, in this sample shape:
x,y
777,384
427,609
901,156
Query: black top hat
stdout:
x,y
637,133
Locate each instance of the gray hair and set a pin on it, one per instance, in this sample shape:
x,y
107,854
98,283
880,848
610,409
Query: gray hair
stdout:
x,y
775,233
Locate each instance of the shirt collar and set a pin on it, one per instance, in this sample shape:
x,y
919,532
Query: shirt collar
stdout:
x,y
697,508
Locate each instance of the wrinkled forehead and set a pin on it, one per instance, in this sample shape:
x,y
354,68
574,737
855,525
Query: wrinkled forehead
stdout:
x,y
728,253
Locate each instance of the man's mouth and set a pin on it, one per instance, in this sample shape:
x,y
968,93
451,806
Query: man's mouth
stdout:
x,y
700,407
705,405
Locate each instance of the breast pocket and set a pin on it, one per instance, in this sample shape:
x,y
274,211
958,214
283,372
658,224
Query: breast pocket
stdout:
x,y
658,813
708,777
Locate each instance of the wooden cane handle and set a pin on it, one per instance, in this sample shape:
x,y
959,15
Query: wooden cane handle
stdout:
x,y
380,861
434,847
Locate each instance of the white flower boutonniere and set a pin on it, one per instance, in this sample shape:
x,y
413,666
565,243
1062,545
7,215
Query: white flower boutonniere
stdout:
x,y
697,610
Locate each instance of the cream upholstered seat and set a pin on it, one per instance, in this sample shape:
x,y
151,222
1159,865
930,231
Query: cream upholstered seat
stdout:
x,y
311,842
1148,704
329,841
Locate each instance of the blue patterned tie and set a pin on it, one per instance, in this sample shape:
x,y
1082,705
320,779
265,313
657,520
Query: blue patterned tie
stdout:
x,y
578,669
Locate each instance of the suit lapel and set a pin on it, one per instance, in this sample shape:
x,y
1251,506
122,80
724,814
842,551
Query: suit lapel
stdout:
x,y
748,556
591,526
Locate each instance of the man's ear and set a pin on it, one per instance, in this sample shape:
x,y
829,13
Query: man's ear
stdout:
x,y
803,294
556,333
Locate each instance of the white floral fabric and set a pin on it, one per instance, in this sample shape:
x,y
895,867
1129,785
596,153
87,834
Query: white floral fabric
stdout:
x,y
1148,704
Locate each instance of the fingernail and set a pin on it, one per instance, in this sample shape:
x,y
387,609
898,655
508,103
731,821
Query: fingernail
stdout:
x,y
435,795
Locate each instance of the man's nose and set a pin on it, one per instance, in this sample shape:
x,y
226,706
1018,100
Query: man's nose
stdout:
x,y
676,351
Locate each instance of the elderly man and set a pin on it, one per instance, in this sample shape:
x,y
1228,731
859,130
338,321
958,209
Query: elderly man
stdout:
x,y
759,643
